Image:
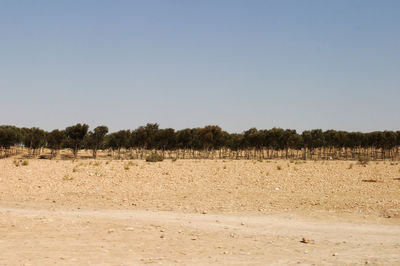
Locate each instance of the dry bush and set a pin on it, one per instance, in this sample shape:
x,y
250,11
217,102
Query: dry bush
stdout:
x,y
154,157
363,160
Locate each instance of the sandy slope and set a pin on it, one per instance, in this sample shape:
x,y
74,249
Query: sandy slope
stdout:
x,y
213,186
198,212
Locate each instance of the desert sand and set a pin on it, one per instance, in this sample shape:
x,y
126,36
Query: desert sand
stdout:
x,y
130,212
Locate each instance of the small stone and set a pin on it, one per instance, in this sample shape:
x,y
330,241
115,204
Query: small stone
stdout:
x,y
305,252
162,236
242,223
305,240
129,229
194,238
111,230
335,254
204,212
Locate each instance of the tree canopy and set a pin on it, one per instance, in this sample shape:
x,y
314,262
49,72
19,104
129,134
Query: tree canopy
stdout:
x,y
255,142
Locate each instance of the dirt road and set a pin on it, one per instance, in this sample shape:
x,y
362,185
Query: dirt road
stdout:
x,y
33,236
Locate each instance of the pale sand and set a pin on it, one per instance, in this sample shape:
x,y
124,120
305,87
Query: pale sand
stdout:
x,y
254,213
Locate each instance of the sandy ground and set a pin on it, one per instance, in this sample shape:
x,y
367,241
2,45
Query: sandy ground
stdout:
x,y
199,212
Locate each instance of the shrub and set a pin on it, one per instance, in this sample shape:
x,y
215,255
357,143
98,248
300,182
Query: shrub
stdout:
x,y
154,157
25,163
363,160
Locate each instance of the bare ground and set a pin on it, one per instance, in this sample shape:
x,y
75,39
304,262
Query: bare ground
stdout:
x,y
199,212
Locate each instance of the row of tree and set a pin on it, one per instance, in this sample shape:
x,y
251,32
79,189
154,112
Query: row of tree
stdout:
x,y
207,142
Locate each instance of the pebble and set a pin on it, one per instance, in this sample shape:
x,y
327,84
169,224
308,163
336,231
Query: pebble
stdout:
x,y
305,240
111,230
335,254
129,229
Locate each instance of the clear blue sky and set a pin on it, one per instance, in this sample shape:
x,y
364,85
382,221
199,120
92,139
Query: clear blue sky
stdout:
x,y
238,64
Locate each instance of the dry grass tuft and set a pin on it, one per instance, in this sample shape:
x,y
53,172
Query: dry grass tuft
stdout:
x,y
67,178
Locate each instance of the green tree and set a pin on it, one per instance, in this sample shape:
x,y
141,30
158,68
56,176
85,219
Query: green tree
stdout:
x,y
95,139
35,139
119,140
9,136
75,137
55,140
